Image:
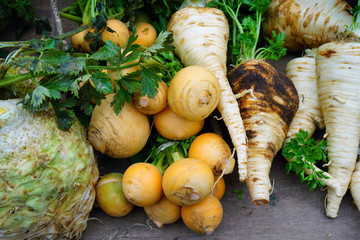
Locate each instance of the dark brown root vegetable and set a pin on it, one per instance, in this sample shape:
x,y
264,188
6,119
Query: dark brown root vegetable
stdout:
x,y
268,104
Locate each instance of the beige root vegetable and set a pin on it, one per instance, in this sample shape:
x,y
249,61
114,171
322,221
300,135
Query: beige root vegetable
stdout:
x,y
355,184
172,127
203,217
163,212
118,136
214,151
110,195
151,106
194,93
142,184
306,23
302,71
268,103
200,38
338,71
187,181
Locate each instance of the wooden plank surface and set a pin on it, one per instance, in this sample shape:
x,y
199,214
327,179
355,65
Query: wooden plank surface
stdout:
x,y
294,212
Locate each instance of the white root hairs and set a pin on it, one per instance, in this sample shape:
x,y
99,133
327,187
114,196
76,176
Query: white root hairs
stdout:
x,y
243,93
222,172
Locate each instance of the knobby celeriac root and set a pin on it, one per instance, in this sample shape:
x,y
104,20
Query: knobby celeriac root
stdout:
x,y
302,72
267,111
200,38
338,71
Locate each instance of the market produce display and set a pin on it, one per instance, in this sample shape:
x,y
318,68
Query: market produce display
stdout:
x,y
182,93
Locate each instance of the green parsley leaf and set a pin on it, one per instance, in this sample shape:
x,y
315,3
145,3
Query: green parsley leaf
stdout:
x,y
305,153
149,82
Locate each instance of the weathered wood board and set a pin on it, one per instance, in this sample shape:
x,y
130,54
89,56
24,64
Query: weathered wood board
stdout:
x,y
294,212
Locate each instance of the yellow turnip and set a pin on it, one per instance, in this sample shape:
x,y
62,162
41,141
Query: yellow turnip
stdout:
x,y
163,212
151,106
172,127
203,217
118,136
187,181
194,93
110,196
214,151
142,184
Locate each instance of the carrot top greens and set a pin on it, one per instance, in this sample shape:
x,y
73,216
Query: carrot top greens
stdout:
x,y
305,153
245,18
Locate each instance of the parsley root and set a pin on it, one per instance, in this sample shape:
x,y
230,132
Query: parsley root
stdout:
x,y
268,104
337,71
308,117
200,38
306,23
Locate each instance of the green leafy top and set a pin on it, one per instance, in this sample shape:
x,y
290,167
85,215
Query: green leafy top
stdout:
x,y
245,17
162,152
58,74
305,153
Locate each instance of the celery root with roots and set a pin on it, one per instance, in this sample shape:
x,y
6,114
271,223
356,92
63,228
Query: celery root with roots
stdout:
x,y
302,72
268,103
200,38
338,71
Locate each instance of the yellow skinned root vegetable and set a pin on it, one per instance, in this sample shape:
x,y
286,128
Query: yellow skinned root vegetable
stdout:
x,y
338,71
172,127
200,38
146,34
214,151
308,116
120,34
163,212
268,101
151,106
306,23
118,136
194,93
187,181
142,184
219,188
203,217
110,196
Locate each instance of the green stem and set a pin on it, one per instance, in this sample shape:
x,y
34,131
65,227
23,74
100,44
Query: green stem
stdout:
x,y
66,9
80,3
19,78
71,17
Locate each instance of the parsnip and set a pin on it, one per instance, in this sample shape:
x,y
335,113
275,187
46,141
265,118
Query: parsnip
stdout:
x,y
338,71
355,184
306,23
268,103
302,72
200,38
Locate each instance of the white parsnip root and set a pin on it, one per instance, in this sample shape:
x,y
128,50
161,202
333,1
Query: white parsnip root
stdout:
x,y
355,184
338,71
307,23
302,72
200,38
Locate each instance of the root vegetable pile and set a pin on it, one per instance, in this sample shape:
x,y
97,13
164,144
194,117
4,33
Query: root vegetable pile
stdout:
x,y
147,90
